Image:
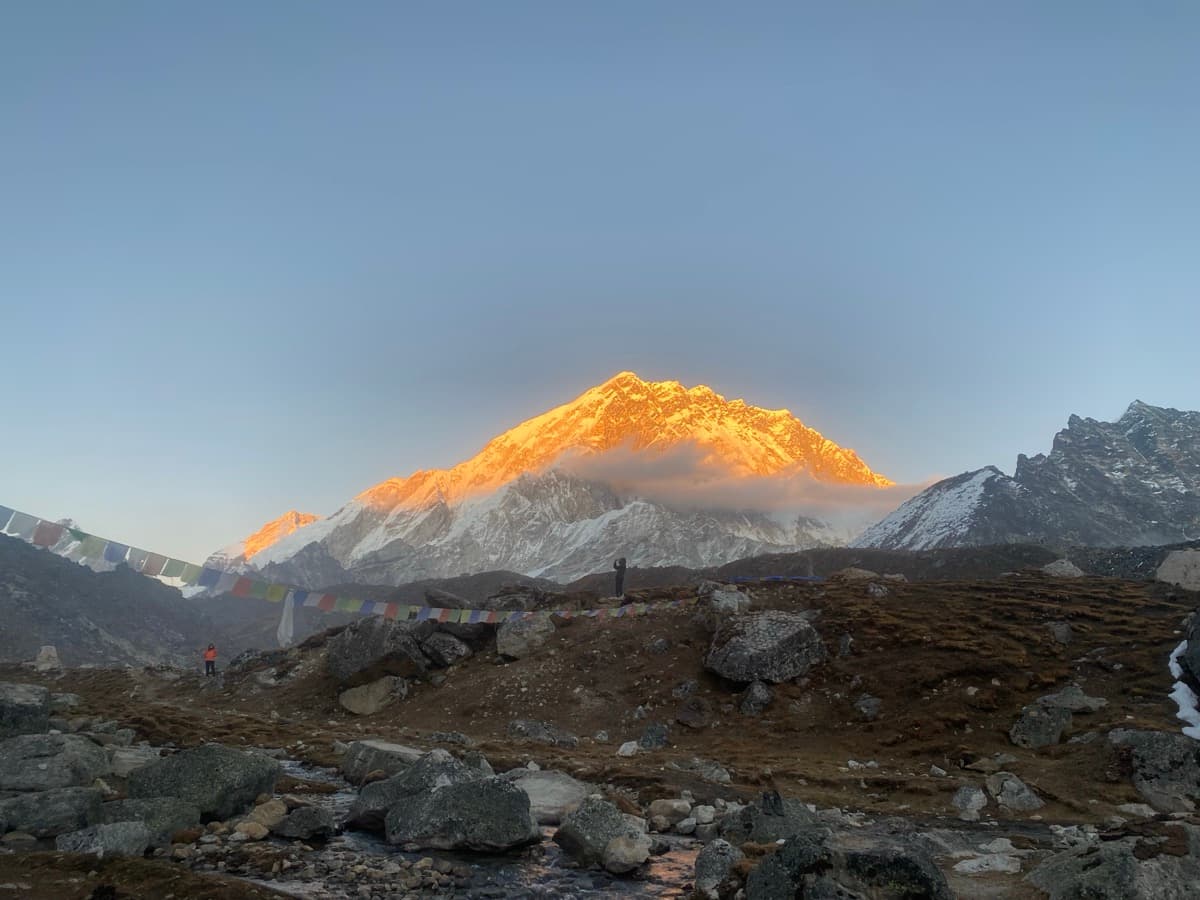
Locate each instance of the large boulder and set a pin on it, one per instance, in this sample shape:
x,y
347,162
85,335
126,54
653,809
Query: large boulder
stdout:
x,y
306,823
475,635
1166,767
1040,726
24,709
435,769
364,757
445,649
783,874
115,839
1074,699
219,781
368,699
773,645
1012,793
585,833
41,762
1131,868
714,865
521,637
1189,660
552,795
53,812
772,819
124,760
47,659
1181,567
163,816
626,852
1063,568
486,815
374,646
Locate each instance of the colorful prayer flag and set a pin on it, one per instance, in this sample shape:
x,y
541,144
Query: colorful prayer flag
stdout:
x,y
75,533
348,604
115,553
300,597
191,573
241,587
209,577
137,558
5,515
173,568
92,547
47,534
275,593
327,602
226,582
153,565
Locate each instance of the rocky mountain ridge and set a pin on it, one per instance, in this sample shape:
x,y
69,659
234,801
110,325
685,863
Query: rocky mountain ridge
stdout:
x,y
1132,482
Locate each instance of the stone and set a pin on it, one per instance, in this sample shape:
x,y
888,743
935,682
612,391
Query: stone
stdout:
x,y
694,712
53,812
626,852
41,762
552,795
585,833
60,703
1040,726
363,757
125,760
113,839
1063,568
706,769
673,811
437,768
306,823
162,816
1182,568
687,826
219,781
374,646
783,874
627,749
445,649
254,831
24,709
655,736
868,707
853,573
771,819
1012,793
522,637
727,602
488,815
755,699
876,590
704,815
771,646
47,659
541,732
269,814
887,868
1122,870
1073,698
969,801
714,865
473,759
1166,767
1061,632
368,699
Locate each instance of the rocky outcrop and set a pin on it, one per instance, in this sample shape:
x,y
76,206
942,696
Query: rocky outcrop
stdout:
x,y
41,762
374,646
435,769
445,649
364,757
219,781
1182,568
585,833
1143,867
368,699
772,819
486,815
1166,767
771,646
24,709
115,839
49,813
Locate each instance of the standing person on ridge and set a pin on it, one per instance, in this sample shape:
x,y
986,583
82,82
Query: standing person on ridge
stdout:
x,y
619,565
210,660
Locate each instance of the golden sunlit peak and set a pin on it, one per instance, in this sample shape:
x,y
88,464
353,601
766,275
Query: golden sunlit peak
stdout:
x,y
289,522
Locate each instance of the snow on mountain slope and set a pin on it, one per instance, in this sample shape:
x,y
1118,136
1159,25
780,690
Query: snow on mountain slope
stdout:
x,y
935,517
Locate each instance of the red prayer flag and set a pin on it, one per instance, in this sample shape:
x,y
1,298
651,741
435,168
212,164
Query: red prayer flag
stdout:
x,y
47,534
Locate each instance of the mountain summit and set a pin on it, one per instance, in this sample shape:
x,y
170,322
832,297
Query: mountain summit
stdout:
x,y
441,522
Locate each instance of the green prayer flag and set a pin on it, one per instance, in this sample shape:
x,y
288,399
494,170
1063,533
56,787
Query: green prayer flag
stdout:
x,y
174,568
191,573
78,535
92,547
276,593
258,590
348,604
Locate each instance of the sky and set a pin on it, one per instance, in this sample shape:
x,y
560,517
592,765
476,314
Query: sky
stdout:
x,y
261,256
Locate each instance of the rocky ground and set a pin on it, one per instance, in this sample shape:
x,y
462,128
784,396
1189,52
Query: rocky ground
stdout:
x,y
1002,738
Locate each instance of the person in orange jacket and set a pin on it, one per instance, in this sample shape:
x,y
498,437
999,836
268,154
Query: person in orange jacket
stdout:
x,y
210,660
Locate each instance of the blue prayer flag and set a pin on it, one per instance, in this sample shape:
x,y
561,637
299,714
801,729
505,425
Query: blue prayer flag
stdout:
x,y
209,577
115,553
5,515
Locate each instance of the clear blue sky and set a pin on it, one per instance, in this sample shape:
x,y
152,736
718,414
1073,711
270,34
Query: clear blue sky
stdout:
x,y
263,255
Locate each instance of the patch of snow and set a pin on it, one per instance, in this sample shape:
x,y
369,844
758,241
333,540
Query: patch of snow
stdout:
x,y
1184,697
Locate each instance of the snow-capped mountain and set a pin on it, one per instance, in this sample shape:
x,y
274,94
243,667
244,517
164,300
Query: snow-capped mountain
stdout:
x,y
554,496
1132,482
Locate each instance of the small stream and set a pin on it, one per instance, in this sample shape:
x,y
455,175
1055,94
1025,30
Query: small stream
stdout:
x,y
538,871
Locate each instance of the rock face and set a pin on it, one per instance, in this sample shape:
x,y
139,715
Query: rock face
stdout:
x,y
116,839
435,769
520,638
1166,767
24,709
585,833
374,645
1040,726
1125,869
163,816
1181,567
1189,660
771,646
714,864
219,781
41,762
47,659
552,795
486,815
364,757
445,649
368,699
49,813
1134,482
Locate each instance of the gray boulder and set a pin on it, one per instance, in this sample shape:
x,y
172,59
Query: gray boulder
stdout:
x,y
1063,568
520,638
882,867
41,762
1125,869
1189,660
756,699
655,736
1012,793
714,864
24,709
219,781
364,757
163,816
541,732
376,646
1166,767
626,852
487,815
781,875
552,795
771,646
1073,698
115,839
445,649
585,833
368,699
767,821
53,812
306,823
435,769
124,760
1040,726
474,635
969,800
